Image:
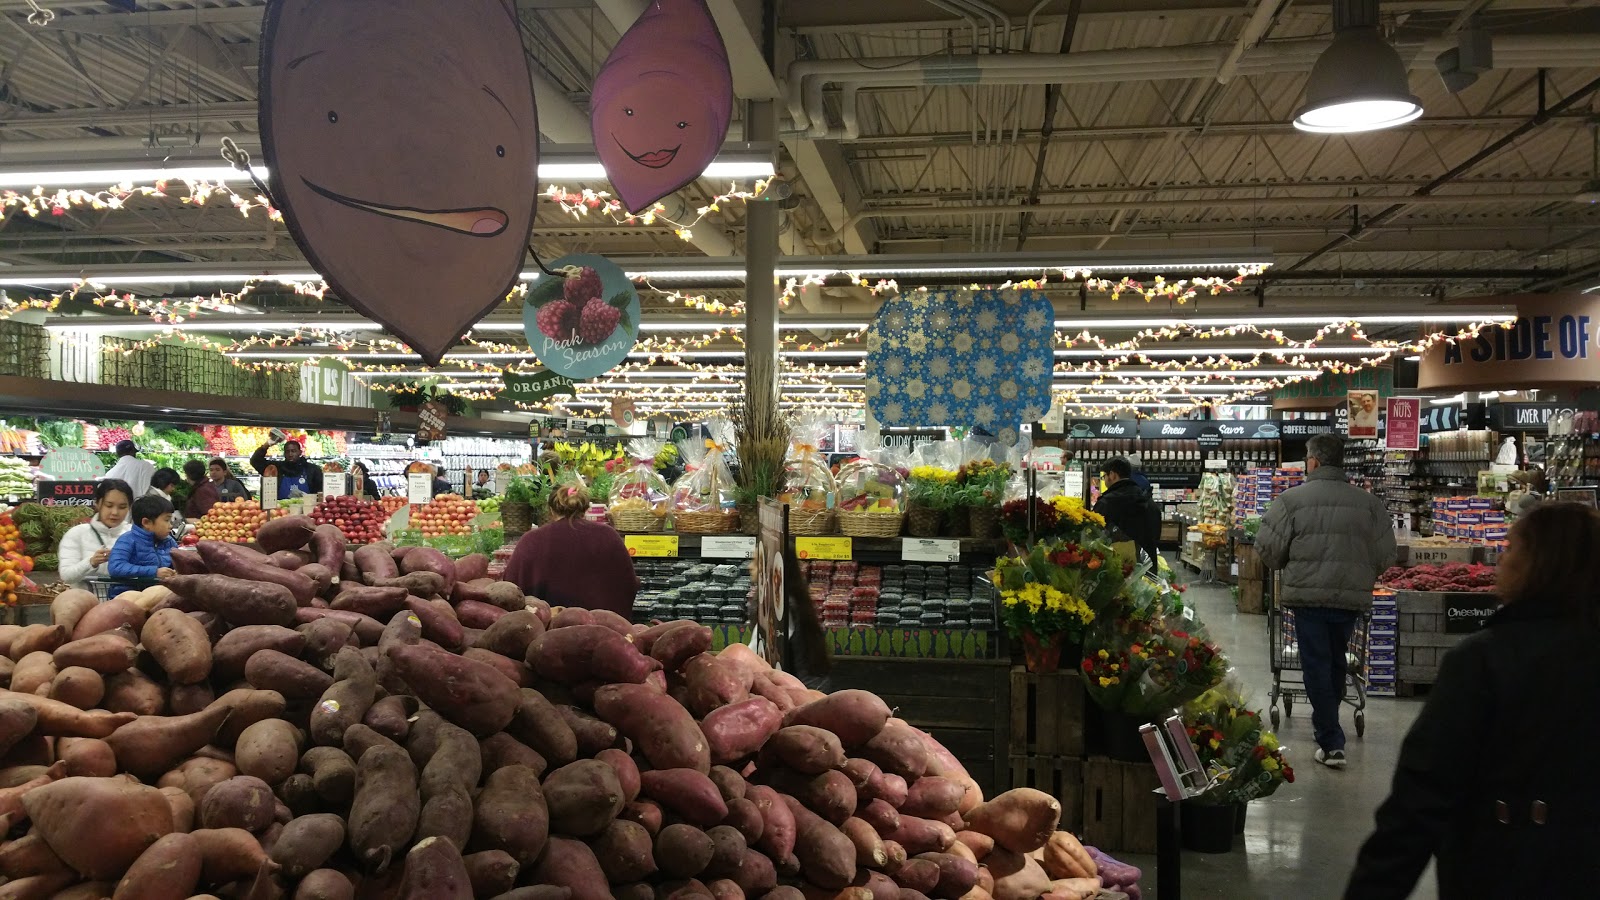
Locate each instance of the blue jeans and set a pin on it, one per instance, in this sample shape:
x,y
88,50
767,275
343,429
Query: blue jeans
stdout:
x,y
1324,635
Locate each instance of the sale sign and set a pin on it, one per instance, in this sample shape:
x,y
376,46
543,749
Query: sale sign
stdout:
x,y
1404,424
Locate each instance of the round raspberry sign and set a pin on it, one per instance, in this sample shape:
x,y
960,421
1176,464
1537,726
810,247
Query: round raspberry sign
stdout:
x,y
582,324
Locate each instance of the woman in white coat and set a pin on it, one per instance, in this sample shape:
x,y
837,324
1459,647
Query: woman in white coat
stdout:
x,y
86,547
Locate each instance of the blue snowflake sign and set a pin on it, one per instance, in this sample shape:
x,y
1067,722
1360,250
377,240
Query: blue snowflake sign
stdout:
x,y
980,358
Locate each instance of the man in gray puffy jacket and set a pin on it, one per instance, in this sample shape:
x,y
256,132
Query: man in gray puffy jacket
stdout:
x,y
1330,540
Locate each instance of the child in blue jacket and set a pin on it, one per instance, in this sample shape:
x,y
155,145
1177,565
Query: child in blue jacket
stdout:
x,y
145,551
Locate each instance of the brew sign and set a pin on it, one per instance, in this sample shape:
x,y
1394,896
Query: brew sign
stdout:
x,y
430,421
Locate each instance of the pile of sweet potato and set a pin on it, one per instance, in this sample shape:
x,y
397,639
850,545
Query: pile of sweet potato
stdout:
x,y
326,725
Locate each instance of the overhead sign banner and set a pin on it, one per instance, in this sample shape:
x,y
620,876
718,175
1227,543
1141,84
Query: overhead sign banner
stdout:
x,y
1525,417
531,388
583,325
403,146
430,421
1555,340
1329,390
1403,416
1102,428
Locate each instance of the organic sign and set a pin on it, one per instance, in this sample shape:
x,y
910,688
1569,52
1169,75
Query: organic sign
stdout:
x,y
403,145
1555,340
584,324
530,388
72,462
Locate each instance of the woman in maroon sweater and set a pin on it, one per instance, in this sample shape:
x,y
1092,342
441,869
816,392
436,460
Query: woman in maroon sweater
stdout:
x,y
575,562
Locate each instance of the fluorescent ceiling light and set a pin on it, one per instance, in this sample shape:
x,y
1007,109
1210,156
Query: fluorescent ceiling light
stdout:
x,y
1446,401
1194,350
731,168
1413,359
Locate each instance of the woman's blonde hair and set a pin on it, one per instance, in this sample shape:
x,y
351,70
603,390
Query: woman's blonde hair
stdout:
x,y
569,500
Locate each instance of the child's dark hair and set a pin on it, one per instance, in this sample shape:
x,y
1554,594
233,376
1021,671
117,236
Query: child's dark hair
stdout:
x,y
164,477
149,508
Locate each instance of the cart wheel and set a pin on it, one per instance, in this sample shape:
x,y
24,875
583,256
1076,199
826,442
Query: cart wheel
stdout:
x,y
1361,723
1288,706
1274,718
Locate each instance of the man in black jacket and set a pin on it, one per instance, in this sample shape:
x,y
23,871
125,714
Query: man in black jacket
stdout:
x,y
1128,508
295,472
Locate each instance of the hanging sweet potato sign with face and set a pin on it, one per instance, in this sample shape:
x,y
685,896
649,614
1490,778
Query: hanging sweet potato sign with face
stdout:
x,y
403,145
662,102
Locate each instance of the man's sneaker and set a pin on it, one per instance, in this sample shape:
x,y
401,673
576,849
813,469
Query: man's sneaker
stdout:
x,y
1333,759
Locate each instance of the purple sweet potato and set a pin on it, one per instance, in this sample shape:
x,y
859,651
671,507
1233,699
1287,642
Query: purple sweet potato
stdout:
x,y
474,614
239,601
538,724
469,693
510,815
384,814
187,561
270,670
286,533
593,734
626,770
683,851
225,559
328,544
714,683
686,792
375,562
427,559
855,716
381,603
472,566
778,830
434,869
584,652
439,622
827,857
583,798
573,865
290,560
661,728
804,748
676,647
511,634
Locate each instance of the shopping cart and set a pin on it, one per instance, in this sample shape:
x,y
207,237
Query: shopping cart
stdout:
x,y
1285,658
102,587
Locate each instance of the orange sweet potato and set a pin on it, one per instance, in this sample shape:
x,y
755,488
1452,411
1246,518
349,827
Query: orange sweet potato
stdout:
x,y
37,638
168,868
70,605
1020,820
855,716
80,687
57,719
150,745
98,826
179,644
106,653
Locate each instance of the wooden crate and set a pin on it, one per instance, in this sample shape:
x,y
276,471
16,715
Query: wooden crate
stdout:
x,y
1119,805
1057,776
1047,713
1252,579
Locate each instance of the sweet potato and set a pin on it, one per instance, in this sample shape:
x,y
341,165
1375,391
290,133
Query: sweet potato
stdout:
x,y
378,602
509,597
427,559
474,614
469,693
981,845
196,777
327,546
1016,877
384,814
683,851
625,852
434,869
98,826
423,584
187,561
247,706
324,884
572,864
920,875
169,868
583,798
571,617
107,616
69,606
234,649
933,797
511,634
80,687
472,566
106,653
538,724
730,783
389,716
869,845
855,716
306,843
805,749
11,798
346,700
239,601
501,750
447,814
286,533
179,644
584,652
150,745
271,670
685,792
229,854
322,577
456,761
738,730
714,683
677,646
227,560
520,674
269,750
7,667
898,749
743,815
920,835
1065,857
956,875
1072,889
376,562
657,724
183,699
289,559
29,855
510,815
36,639
1020,820
242,801
183,809
830,795
32,671
827,857
492,872
778,823
56,719
87,756
358,739
439,622
333,774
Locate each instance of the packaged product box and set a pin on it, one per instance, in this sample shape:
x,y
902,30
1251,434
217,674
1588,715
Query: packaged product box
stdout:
x,y
1469,519
1382,642
1494,518
1480,503
1381,677
1387,690
1457,503
1376,658
1390,629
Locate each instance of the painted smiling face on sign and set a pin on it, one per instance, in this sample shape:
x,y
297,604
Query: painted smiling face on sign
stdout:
x,y
662,102
403,145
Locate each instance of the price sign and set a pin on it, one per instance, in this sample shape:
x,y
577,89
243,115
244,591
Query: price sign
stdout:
x,y
419,487
1417,555
823,547
1215,464
930,550
652,545
335,484
66,493
721,546
269,490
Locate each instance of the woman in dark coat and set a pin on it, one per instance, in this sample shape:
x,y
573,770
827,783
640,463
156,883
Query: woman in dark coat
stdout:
x,y
1494,778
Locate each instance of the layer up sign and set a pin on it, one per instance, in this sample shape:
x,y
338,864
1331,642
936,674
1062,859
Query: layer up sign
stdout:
x,y
534,387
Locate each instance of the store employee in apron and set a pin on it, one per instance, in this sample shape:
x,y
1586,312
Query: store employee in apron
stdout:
x,y
296,474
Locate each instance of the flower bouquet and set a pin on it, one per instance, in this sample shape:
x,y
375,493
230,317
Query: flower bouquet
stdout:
x,y
1051,593
982,488
1059,517
930,492
1243,759
640,499
1165,667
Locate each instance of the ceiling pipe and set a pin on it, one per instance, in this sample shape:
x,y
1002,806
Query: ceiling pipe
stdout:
x,y
808,78
1425,193
1260,20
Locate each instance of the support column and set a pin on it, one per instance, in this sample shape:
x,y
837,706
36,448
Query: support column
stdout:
x,y
760,270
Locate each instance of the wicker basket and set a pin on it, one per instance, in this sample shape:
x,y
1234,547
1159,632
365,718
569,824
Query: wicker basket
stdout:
x,y
637,521
866,524
749,519
985,521
810,521
923,521
517,518
711,521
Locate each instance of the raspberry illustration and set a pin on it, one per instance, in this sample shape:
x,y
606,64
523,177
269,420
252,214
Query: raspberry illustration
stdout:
x,y
598,321
557,319
583,288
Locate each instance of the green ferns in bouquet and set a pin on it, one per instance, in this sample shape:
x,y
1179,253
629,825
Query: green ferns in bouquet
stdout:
x,y
1146,667
982,483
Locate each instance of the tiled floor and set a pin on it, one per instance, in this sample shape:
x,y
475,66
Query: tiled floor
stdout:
x,y
1300,843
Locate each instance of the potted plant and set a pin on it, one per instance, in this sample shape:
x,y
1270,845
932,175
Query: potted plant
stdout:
x,y
1050,595
761,441
931,491
411,397
983,487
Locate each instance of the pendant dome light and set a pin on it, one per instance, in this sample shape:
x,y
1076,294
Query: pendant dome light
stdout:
x,y
1359,83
